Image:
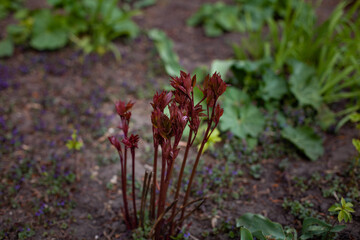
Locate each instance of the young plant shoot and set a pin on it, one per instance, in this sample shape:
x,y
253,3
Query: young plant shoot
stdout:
x,y
167,215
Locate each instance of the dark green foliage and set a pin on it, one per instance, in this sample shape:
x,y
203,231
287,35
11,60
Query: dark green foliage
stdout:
x,y
91,25
299,62
241,16
164,46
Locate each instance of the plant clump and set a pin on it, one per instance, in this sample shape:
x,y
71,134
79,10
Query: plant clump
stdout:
x,y
167,215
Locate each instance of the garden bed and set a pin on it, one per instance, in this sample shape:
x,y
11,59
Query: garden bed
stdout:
x,y
47,95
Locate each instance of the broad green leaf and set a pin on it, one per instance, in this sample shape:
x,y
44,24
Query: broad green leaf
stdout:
x,y
78,145
261,226
273,87
6,48
252,66
235,97
205,11
49,40
304,84
341,216
49,31
125,27
245,234
54,2
164,45
355,117
221,66
212,29
227,18
201,72
315,227
305,139
333,208
240,116
326,117
18,33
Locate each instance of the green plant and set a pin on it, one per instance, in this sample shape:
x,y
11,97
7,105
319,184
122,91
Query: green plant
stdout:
x,y
355,118
167,133
216,18
302,63
249,121
300,210
344,210
254,226
91,25
305,139
241,16
26,233
74,145
8,6
164,46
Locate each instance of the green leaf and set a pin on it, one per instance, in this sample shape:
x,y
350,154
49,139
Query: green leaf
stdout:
x,y
261,226
341,216
125,27
355,117
49,40
78,145
333,208
304,84
343,202
326,117
164,46
315,227
252,66
18,33
305,139
273,87
245,234
240,116
221,66
200,72
235,97
212,29
54,2
6,48
49,31
356,143
144,3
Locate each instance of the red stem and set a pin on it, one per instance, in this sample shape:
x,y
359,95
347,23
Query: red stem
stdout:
x,y
161,204
162,184
154,182
123,186
180,180
197,159
133,184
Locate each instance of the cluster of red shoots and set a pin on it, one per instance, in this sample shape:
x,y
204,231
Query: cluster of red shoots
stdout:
x,y
167,133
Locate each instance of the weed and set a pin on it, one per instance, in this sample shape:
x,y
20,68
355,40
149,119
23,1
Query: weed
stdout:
x,y
25,233
300,210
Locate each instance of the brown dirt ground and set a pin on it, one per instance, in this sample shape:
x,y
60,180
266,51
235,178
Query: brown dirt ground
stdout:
x,y
39,96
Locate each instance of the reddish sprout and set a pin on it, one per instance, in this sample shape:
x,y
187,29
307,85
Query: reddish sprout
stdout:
x,y
113,140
